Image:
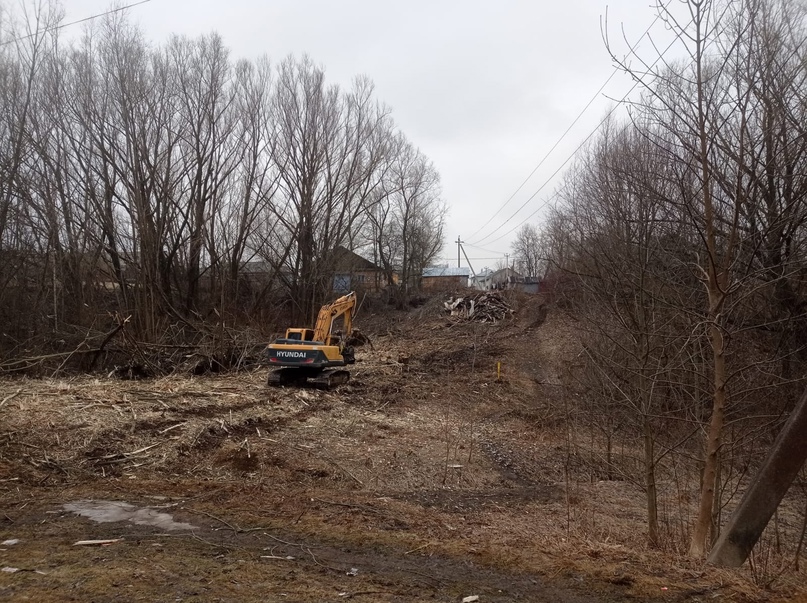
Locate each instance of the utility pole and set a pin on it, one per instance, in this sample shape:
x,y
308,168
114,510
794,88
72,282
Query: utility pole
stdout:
x,y
765,492
471,266
461,250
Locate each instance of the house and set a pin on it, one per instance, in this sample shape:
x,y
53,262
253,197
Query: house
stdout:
x,y
530,284
443,278
349,272
256,271
481,280
504,278
352,272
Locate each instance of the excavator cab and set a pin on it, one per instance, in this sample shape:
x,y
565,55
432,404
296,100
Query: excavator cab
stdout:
x,y
307,335
300,334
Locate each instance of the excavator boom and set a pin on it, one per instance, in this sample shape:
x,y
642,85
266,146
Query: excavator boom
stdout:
x,y
343,306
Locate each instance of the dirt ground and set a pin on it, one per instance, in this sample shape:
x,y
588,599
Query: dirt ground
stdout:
x,y
426,478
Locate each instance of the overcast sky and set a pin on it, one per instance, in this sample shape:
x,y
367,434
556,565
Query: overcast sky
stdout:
x,y
484,88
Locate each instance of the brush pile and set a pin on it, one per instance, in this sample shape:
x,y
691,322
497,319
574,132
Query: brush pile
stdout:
x,y
487,306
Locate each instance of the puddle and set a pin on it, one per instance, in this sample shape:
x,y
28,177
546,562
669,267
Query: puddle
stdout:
x,y
106,511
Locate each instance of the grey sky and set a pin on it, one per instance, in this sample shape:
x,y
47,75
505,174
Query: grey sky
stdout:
x,y
483,88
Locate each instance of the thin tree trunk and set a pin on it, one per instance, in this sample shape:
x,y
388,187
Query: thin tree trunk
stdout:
x,y
713,440
650,483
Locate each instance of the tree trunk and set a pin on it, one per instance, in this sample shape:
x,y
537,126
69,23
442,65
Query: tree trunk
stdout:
x,y
703,521
650,483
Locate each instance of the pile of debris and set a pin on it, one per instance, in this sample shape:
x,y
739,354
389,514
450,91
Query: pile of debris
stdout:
x,y
483,307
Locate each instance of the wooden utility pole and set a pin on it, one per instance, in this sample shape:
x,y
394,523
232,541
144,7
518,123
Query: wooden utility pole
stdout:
x,y
766,491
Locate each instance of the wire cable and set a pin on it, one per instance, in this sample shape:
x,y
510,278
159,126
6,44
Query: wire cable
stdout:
x,y
483,249
63,25
453,259
567,160
548,153
562,136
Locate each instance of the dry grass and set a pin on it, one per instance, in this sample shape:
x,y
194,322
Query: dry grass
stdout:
x,y
427,475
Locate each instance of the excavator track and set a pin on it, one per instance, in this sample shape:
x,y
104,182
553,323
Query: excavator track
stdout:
x,y
324,379
286,376
330,378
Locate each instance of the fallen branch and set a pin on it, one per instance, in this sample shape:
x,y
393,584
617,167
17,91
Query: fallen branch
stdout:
x,y
417,548
121,456
26,363
106,340
234,528
10,397
338,466
167,429
483,307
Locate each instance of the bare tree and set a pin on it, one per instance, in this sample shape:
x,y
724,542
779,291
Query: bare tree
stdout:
x,y
527,250
706,115
252,186
625,250
145,114
328,149
407,221
144,179
21,64
207,147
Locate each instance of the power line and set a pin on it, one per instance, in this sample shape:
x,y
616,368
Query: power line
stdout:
x,y
451,259
568,159
483,249
63,25
562,165
548,153
540,207
568,129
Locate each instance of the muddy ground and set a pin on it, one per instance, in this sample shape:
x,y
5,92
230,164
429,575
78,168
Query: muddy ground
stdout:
x,y
427,478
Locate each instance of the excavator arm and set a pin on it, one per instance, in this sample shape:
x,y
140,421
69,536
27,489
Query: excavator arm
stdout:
x,y
344,306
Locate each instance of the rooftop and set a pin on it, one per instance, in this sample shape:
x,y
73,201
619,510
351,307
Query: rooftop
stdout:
x,y
445,271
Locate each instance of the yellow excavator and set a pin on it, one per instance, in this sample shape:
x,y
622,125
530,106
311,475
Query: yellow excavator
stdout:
x,y
313,355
